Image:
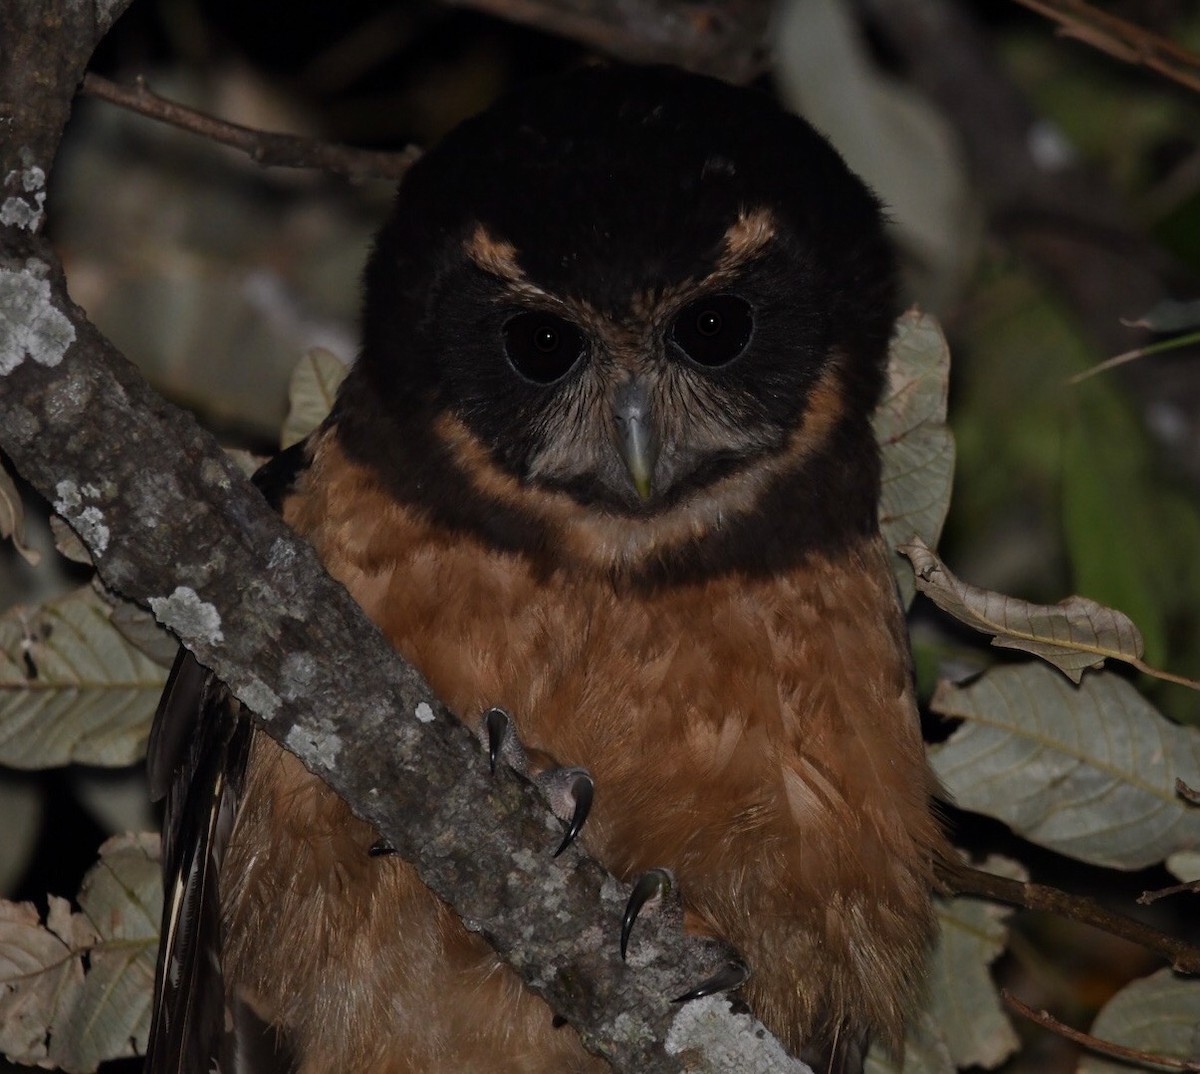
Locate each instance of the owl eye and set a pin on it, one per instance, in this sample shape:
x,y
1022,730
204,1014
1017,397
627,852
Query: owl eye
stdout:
x,y
541,347
713,331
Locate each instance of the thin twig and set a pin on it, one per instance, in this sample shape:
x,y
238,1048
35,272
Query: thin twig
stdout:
x,y
1174,343
1094,1044
1157,673
964,880
1121,39
263,147
1187,793
1147,897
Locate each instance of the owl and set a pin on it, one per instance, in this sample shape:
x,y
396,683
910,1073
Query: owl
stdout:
x,y
604,472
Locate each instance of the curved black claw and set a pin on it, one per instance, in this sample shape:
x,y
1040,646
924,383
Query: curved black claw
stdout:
x,y
380,847
496,721
651,884
583,790
730,976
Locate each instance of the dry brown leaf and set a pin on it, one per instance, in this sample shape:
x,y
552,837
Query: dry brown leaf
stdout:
x,y
311,393
916,445
1073,635
12,518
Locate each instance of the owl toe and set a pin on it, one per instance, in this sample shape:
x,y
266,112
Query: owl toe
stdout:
x,y
570,792
733,974
651,888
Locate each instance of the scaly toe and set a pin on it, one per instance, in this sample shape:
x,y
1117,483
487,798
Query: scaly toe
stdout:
x,y
651,886
730,976
570,792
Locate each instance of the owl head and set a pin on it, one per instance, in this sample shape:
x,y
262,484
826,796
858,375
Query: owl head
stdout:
x,y
632,316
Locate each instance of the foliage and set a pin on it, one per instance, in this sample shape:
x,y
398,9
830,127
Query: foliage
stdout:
x,y
55,1012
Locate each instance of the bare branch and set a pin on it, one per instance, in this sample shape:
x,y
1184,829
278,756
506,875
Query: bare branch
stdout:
x,y
1121,39
263,147
1095,1044
963,880
1148,897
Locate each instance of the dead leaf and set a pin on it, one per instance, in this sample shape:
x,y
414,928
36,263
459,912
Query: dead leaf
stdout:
x,y
916,445
12,518
311,393
1073,635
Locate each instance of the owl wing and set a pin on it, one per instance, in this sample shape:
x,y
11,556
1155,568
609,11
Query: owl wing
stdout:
x,y
196,761
204,779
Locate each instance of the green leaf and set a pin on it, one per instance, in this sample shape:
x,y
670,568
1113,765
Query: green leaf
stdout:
x,y
1073,635
925,1051
73,689
963,1000
52,1011
1086,770
1185,865
311,393
1157,1014
916,445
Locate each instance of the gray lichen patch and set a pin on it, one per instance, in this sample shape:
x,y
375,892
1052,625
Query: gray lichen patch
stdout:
x,y
28,210
703,1026
17,212
321,749
30,326
87,520
298,672
631,1030
189,616
260,698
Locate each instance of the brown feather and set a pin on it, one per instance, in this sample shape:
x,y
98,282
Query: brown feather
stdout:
x,y
789,790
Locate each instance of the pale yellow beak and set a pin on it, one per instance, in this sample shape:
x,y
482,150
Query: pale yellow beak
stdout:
x,y
636,440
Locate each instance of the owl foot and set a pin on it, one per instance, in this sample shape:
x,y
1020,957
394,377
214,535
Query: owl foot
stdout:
x,y
569,791
498,726
651,889
733,974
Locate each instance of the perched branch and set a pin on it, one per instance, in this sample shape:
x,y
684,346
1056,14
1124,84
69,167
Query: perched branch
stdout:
x,y
963,880
172,524
263,147
1094,1044
726,38
1121,39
